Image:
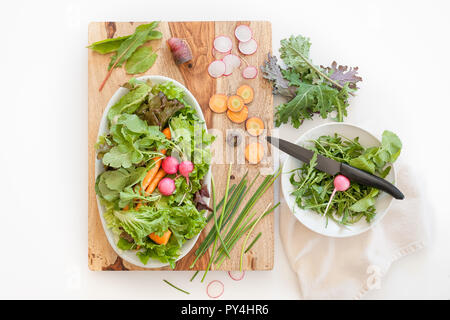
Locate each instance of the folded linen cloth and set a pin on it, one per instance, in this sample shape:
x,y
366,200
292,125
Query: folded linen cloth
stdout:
x,y
347,268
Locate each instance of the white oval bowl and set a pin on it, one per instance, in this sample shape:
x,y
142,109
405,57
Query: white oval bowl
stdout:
x,y
131,256
311,219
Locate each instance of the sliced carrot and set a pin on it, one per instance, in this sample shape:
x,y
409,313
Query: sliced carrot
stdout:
x,y
167,133
161,240
254,152
154,183
126,208
254,126
238,117
218,103
246,93
235,103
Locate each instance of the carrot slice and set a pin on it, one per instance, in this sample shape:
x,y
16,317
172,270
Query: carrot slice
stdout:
x,y
218,103
161,240
246,93
238,117
254,152
235,103
254,126
152,186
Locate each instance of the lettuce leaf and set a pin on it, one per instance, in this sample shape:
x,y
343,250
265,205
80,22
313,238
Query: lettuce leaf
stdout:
x,y
183,221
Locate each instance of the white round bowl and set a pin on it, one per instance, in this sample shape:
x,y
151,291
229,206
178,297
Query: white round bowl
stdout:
x,y
129,255
311,219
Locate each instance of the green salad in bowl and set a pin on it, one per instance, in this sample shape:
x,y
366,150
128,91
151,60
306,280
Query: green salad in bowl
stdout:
x,y
153,171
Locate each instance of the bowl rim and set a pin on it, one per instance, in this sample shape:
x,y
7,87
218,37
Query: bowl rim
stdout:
x,y
207,178
380,215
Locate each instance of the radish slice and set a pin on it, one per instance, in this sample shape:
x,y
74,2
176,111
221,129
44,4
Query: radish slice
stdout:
x,y
215,289
223,44
248,47
215,53
216,68
250,72
231,62
243,33
236,275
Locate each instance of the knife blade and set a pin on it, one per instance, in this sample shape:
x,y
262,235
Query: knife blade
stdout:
x,y
333,167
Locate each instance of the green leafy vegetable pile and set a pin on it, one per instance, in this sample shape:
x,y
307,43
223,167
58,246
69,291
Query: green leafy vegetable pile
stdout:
x,y
313,188
310,89
130,50
130,149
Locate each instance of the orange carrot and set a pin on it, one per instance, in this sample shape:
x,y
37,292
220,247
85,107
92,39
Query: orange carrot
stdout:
x,y
246,93
238,117
218,103
161,240
167,133
254,126
154,183
152,172
235,103
254,152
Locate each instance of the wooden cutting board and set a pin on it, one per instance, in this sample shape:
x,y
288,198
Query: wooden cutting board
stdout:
x,y
194,76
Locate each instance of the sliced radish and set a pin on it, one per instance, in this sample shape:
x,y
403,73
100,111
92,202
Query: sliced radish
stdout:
x,y
250,72
215,289
231,63
223,44
218,55
243,33
236,275
216,68
248,47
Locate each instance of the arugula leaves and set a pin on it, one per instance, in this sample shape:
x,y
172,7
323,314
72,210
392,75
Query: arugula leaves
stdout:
x,y
313,188
309,89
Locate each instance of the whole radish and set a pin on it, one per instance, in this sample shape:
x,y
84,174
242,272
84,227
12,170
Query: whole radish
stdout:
x,y
166,186
341,183
185,168
170,165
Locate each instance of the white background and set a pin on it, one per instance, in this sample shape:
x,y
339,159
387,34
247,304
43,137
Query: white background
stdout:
x,y
401,47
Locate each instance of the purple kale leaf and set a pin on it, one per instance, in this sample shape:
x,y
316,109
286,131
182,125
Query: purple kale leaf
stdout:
x,y
272,72
343,74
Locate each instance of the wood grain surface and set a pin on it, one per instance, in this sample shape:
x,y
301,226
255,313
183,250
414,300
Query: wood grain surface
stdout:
x,y
194,76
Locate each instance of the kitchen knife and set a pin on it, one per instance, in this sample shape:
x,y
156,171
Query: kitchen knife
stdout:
x,y
333,167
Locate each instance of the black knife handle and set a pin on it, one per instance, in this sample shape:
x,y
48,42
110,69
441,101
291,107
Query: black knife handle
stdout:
x,y
370,180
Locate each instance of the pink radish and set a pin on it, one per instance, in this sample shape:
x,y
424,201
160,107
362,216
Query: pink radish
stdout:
x,y
216,68
231,62
166,186
250,72
215,289
180,50
243,33
185,168
341,183
248,47
170,165
223,44
236,275
216,53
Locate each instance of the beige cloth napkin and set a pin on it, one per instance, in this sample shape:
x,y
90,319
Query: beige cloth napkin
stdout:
x,y
347,268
